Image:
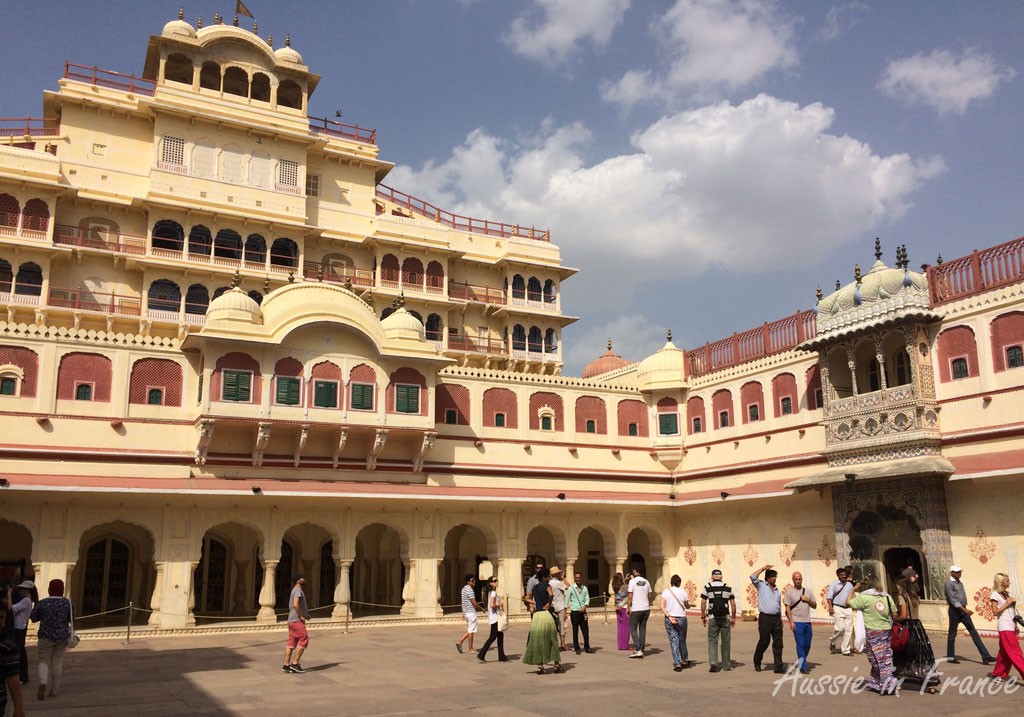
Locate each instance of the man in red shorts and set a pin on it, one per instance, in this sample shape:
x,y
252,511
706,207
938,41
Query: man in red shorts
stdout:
x,y
298,638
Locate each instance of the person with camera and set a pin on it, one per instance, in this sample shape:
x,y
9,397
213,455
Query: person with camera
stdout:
x,y
718,604
1008,622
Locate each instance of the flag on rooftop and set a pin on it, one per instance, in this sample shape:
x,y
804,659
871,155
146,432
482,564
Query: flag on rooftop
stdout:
x,y
241,9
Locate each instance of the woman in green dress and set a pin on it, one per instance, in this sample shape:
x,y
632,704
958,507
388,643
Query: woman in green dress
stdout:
x,y
542,642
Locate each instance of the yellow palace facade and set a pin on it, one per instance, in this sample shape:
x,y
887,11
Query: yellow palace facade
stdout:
x,y
229,351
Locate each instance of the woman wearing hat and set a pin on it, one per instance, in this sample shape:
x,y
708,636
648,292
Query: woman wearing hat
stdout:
x,y
542,643
53,614
20,604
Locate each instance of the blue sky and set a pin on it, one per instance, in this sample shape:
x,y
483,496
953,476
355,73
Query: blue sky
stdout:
x,y
706,164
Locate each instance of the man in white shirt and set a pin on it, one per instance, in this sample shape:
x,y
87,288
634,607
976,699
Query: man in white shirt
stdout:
x,y
837,598
558,604
639,610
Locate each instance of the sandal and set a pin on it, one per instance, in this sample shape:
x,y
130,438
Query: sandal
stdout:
x,y
541,671
557,668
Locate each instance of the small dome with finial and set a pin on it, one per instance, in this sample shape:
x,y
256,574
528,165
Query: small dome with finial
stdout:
x,y
400,324
234,305
664,369
287,54
608,361
179,28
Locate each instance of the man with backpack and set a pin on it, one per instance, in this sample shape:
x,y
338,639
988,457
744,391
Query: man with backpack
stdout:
x,y
718,613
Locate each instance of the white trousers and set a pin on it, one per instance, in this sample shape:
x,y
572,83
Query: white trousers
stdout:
x,y
842,630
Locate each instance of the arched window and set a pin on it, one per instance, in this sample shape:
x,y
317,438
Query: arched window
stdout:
x,y
220,290
550,341
550,292
533,290
160,375
210,577
204,159
228,244
29,281
236,82
389,270
105,578
256,296
6,277
199,240
178,68
284,252
289,94
197,299
435,276
434,328
168,235
36,216
232,165
10,211
874,376
209,76
518,338
518,287
412,271
260,87
261,170
535,342
255,249
164,295
902,368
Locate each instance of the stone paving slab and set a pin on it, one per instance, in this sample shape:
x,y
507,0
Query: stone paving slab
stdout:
x,y
415,670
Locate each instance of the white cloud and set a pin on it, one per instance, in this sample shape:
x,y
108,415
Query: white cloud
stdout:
x,y
554,30
944,81
711,45
841,19
752,187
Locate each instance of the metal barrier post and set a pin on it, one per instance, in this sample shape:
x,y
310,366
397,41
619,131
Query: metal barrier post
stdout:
x,y
128,637
348,615
606,608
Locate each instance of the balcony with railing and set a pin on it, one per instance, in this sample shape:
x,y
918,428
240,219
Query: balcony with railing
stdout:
x,y
109,79
977,272
336,274
330,128
470,344
766,340
475,294
99,240
458,222
533,351
534,300
29,127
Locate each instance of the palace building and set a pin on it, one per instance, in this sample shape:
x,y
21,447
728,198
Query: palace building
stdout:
x,y
230,351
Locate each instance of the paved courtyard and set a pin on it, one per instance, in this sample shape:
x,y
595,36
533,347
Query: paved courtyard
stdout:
x,y
416,670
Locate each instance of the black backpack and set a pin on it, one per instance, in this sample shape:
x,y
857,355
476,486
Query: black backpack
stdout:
x,y
718,605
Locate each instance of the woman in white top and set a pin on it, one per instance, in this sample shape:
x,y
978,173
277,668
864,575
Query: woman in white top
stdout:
x,y
493,615
1005,609
674,602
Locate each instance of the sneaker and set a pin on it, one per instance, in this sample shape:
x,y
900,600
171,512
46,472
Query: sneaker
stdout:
x,y
286,668
297,668
458,646
714,668
677,668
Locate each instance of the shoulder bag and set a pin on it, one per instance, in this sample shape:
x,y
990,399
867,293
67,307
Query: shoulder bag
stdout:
x,y
73,638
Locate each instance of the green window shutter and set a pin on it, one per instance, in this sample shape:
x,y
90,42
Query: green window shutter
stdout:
x,y
325,394
8,386
287,391
155,397
499,420
83,392
237,385
407,399
668,424
362,396
633,429
545,423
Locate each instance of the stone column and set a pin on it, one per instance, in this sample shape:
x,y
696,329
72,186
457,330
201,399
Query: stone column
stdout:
x,y
341,591
853,372
242,583
880,358
268,597
408,590
510,583
570,569
190,615
158,594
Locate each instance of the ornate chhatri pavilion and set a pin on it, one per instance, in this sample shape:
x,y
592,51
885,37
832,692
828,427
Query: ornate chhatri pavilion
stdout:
x,y
229,351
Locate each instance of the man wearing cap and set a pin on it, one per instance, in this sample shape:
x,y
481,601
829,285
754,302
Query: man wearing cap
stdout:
x,y
956,599
718,613
837,598
769,617
558,604
298,638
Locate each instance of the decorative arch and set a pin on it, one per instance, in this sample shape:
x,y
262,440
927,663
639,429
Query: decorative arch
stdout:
x,y
553,401
10,211
550,341
535,341
533,289
77,368
784,387
150,374
178,68
450,397
29,281
236,82
260,88
289,94
238,361
412,271
631,412
500,402
255,249
435,277
518,338
518,287
168,234
197,299
434,328
550,292
36,216
284,252
591,415
408,376
953,344
209,76
1007,332
228,244
695,419
199,240
28,361
752,399
812,379
164,295
721,401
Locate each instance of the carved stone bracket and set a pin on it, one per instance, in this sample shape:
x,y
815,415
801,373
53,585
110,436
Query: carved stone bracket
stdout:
x,y
303,437
262,438
342,440
203,440
378,445
429,438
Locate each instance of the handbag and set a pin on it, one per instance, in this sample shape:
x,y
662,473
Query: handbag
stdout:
x,y
900,635
73,638
502,621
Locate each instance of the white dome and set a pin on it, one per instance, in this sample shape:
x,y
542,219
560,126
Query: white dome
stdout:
x,y
234,305
665,368
287,54
179,28
402,325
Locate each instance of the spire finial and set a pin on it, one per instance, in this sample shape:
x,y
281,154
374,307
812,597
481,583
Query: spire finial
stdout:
x,y
838,285
255,28
878,248
906,257
270,40
669,335
237,280
819,294
288,40
939,260
199,23
609,343
856,272
216,18
181,13
236,21
266,285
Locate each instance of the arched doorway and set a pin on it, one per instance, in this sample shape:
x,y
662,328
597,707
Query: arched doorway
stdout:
x,y
115,567
465,549
883,539
379,571
15,553
592,563
228,578
645,553
302,551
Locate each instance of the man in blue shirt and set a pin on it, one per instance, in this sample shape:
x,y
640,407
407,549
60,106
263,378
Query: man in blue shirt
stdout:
x,y
769,618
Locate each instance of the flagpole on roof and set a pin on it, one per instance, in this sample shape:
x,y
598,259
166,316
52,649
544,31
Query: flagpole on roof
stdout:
x,y
241,9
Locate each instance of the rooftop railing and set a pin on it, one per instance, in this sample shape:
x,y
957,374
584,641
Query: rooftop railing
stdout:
x,y
770,338
457,221
109,79
322,125
977,272
29,127
477,294
99,240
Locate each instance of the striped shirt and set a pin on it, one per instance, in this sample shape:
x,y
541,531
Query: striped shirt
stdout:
x,y
467,599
